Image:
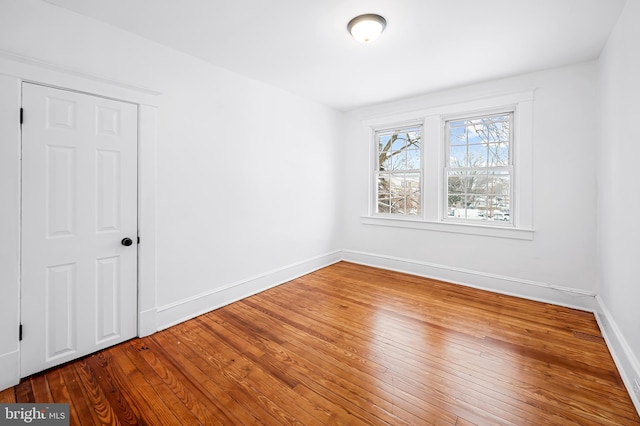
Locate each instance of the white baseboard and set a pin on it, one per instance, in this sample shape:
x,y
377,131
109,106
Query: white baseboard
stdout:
x,y
186,309
627,363
9,369
533,290
177,312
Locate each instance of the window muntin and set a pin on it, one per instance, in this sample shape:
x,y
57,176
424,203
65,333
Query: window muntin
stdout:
x,y
479,168
398,171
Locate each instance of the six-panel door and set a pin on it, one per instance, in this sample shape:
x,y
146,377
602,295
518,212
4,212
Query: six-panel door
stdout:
x,y
79,201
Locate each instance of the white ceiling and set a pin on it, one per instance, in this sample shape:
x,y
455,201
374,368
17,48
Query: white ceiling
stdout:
x,y
303,45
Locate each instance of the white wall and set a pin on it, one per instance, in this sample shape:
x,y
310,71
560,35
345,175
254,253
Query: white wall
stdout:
x,y
618,200
247,174
562,252
253,181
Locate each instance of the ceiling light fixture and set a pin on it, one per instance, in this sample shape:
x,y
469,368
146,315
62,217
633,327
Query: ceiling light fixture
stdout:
x,y
366,28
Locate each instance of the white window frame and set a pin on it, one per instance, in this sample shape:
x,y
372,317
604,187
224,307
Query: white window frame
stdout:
x,y
433,161
376,153
509,168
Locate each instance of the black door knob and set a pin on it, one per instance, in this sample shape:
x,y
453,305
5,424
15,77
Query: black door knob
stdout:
x,y
126,242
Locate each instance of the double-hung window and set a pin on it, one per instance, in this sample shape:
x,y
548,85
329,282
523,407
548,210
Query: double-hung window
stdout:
x,y
463,168
398,174
479,168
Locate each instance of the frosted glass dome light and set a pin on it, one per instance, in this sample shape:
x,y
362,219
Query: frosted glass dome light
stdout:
x,y
366,28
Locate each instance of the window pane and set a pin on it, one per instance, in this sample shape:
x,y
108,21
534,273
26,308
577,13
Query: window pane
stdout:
x,y
504,206
412,193
455,202
384,152
413,206
457,207
498,129
492,207
414,137
476,207
399,142
477,134
398,160
412,182
478,183
383,205
498,155
397,185
413,159
397,205
477,156
384,143
474,201
456,184
384,186
384,161
457,135
499,185
500,209
458,156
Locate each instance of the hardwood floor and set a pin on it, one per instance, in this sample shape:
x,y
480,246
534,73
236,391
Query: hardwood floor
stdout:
x,y
352,345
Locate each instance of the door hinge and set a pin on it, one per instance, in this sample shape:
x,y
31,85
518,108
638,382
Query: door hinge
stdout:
x,y
21,115
20,332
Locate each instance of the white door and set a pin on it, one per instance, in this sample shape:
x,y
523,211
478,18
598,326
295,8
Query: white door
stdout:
x,y
79,205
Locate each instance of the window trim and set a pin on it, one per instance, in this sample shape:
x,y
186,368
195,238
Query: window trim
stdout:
x,y
433,158
450,227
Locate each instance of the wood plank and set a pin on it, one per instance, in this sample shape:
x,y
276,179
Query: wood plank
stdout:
x,y
149,398
198,403
40,386
206,367
356,345
60,394
24,392
117,400
82,400
8,396
102,408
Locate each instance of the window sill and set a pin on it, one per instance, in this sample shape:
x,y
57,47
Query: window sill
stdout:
x,y
458,228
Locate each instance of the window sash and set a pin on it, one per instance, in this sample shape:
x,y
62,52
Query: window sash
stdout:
x,y
398,183
472,198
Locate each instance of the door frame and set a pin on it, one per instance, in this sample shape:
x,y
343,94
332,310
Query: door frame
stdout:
x,y
14,70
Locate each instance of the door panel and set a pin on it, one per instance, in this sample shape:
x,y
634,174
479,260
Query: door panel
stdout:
x,y
108,190
79,200
108,289
61,168
59,292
